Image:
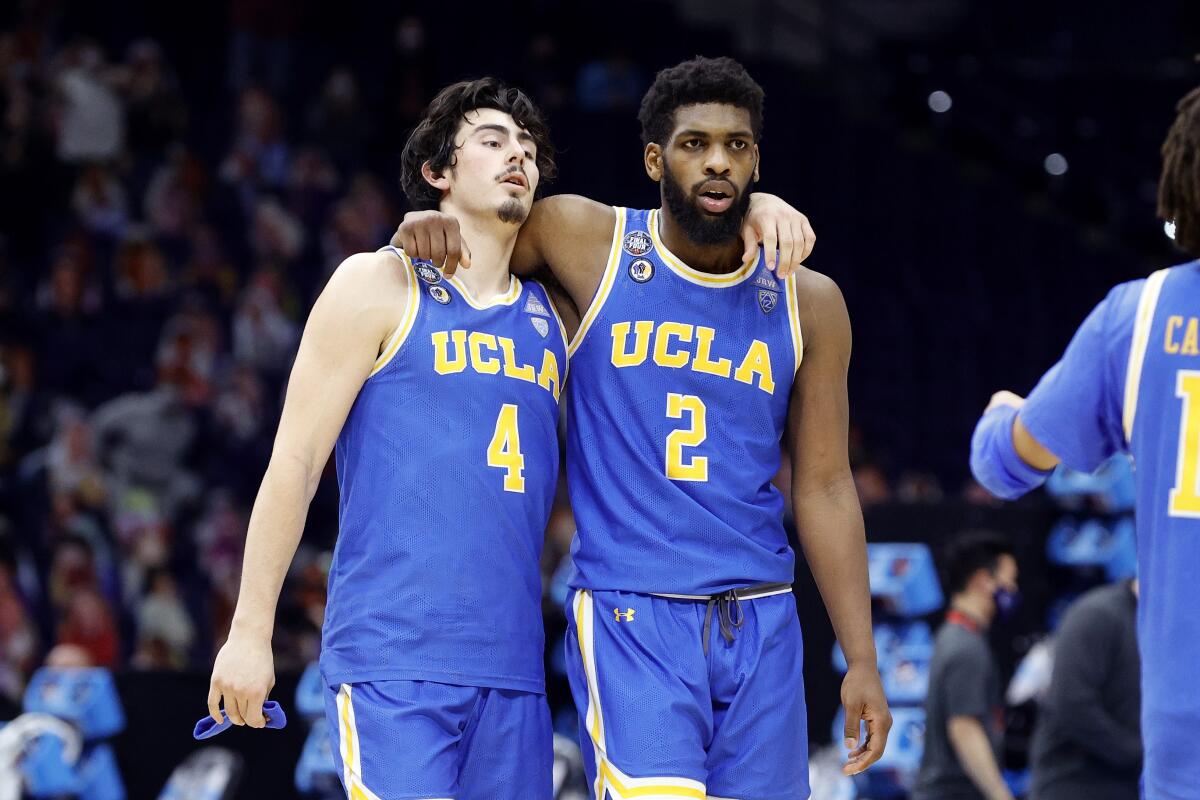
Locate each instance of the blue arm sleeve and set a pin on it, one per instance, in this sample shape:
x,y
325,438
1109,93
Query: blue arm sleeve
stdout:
x,y
994,460
1075,410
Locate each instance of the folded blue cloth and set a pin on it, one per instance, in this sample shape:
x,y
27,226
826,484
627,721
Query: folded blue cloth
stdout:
x,y
208,727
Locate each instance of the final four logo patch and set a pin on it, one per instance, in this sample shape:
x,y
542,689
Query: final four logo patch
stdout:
x,y
641,270
440,294
427,272
541,326
767,300
637,243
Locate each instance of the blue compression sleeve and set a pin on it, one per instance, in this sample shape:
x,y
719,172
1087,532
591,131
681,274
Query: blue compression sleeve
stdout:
x,y
995,461
208,727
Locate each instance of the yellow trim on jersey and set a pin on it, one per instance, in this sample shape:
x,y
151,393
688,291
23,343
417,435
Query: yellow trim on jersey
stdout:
x,y
694,275
392,346
350,750
1142,324
608,778
606,282
506,299
562,330
792,293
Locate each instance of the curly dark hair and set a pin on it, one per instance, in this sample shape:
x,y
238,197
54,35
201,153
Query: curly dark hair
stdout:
x,y
1179,186
700,80
433,138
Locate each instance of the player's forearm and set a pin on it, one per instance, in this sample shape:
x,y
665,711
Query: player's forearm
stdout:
x,y
276,525
829,525
974,751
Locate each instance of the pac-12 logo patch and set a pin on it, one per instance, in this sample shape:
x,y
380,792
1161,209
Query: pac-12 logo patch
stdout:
x,y
440,294
637,243
541,326
641,270
767,300
427,272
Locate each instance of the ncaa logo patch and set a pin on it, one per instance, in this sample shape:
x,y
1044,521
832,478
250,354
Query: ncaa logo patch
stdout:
x,y
427,272
541,326
637,243
641,270
440,294
534,306
767,300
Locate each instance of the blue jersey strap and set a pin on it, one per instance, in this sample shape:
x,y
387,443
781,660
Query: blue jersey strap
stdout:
x,y
208,727
995,461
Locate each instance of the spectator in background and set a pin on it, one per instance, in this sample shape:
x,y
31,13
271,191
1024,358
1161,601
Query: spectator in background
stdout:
x,y
1088,743
156,113
260,156
164,627
964,711
18,635
91,118
339,121
99,202
89,625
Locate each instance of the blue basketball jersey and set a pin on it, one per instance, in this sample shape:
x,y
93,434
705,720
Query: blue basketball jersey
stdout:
x,y
1130,381
677,412
447,466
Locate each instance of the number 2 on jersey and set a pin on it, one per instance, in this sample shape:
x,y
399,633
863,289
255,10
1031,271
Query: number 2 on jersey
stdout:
x,y
1185,497
695,468
504,451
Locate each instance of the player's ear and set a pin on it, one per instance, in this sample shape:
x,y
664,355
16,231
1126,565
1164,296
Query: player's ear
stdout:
x,y
757,162
653,159
437,180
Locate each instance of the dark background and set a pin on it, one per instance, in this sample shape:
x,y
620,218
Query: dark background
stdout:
x,y
257,145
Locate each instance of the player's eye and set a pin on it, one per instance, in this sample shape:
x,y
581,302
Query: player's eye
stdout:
x,y
738,144
491,142
693,144
529,155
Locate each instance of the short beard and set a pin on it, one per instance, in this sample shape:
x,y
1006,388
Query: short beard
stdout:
x,y
702,228
512,210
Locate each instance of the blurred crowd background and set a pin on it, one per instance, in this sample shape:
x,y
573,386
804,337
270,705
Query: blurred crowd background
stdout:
x,y
177,182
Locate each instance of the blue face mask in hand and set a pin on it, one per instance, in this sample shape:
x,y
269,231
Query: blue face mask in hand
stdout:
x,y
1007,602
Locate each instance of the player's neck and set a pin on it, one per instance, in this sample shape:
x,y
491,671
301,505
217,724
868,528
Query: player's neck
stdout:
x,y
713,258
491,244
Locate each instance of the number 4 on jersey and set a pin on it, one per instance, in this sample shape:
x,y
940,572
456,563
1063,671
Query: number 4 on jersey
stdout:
x,y
504,451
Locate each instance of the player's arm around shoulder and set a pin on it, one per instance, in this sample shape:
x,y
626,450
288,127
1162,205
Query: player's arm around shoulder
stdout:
x,y
355,313
572,236
829,523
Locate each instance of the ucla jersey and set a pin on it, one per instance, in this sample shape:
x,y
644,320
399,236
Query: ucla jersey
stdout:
x,y
1130,381
677,411
447,466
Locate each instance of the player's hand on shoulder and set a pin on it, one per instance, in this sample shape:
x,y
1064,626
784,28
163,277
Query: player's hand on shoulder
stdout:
x,y
434,236
242,678
786,236
1004,398
863,700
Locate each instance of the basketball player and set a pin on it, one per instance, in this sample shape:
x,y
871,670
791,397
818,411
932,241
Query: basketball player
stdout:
x,y
1130,382
691,363
442,395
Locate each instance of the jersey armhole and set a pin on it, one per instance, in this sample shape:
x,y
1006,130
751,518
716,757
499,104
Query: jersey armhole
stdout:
x,y
793,309
606,282
392,346
1142,324
562,330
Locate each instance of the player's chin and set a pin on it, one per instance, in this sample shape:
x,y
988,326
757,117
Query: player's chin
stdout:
x,y
513,210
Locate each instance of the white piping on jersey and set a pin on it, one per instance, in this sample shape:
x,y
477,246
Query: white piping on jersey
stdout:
x,y
793,308
506,299
606,282
407,320
694,275
562,331
1142,324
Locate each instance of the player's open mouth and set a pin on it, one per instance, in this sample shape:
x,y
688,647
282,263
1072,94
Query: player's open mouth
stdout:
x,y
516,180
714,198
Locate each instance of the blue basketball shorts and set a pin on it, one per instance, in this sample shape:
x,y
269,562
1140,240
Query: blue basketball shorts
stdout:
x,y
665,716
419,740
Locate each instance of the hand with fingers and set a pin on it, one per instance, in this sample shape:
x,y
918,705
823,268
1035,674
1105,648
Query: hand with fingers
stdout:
x,y
243,676
785,234
864,702
434,236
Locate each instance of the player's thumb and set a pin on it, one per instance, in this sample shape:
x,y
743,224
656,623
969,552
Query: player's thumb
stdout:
x,y
850,730
466,254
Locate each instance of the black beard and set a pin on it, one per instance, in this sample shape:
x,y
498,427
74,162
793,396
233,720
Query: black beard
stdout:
x,y
511,210
700,227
